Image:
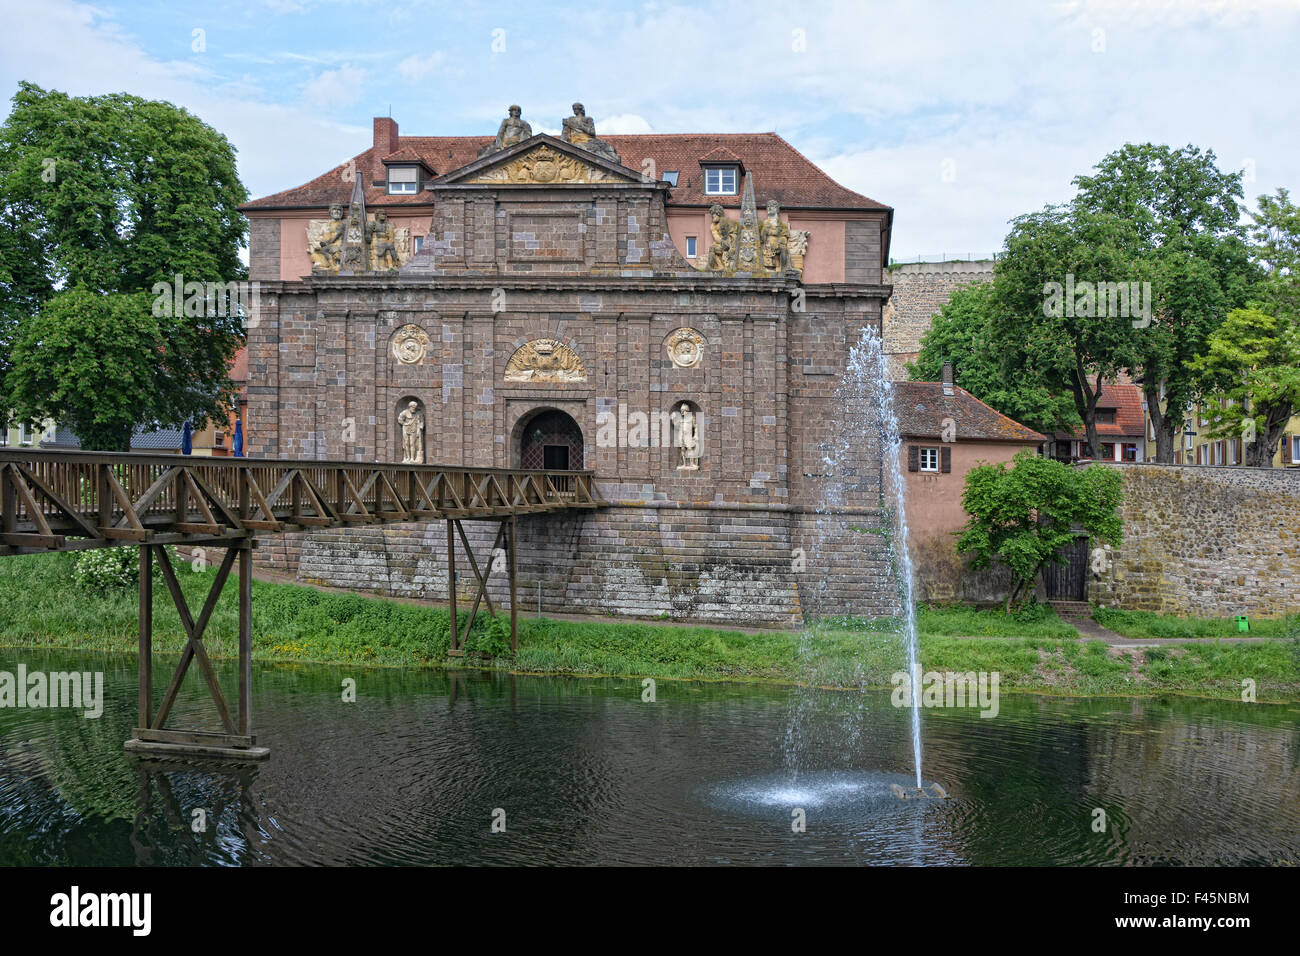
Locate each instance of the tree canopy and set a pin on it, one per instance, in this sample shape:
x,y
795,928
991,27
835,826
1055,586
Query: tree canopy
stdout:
x,y
104,196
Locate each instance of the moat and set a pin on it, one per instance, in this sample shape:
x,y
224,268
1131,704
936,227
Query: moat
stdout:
x,y
419,767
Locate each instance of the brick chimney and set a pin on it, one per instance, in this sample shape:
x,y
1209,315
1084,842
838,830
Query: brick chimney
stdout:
x,y
947,378
385,136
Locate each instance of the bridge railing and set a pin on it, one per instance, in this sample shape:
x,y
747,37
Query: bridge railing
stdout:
x,y
64,500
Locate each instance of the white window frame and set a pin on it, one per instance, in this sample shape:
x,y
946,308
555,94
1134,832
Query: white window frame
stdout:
x,y
24,434
709,187
1295,449
932,454
691,246
403,187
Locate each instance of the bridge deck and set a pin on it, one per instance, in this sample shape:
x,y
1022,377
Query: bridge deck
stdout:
x,y
69,500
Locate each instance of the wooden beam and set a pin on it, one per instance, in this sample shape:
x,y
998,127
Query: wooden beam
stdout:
x,y
145,662
451,584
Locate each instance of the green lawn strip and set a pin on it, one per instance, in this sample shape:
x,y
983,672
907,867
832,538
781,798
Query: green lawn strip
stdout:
x,y
40,605
1146,625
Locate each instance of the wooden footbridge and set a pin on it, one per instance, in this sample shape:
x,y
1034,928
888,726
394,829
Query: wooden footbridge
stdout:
x,y
67,501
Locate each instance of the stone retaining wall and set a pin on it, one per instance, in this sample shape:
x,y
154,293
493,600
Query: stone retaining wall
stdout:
x,y
681,561
1206,541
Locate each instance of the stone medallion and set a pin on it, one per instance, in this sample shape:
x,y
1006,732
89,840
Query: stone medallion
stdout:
x,y
409,344
685,347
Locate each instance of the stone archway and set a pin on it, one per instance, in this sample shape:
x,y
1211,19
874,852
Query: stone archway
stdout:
x,y
552,440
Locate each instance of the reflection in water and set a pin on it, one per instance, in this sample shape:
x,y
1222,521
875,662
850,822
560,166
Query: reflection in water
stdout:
x,y
587,773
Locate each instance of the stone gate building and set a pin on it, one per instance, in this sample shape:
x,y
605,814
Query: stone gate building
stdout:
x,y
671,311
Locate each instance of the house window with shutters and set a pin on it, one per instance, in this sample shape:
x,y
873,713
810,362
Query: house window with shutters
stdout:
x,y
929,459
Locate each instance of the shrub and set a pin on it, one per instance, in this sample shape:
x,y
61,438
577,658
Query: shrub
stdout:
x,y
107,569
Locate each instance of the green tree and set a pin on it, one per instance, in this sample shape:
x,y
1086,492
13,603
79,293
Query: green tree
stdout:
x,y
1183,234
1043,313
103,364
1255,358
962,333
112,194
1021,515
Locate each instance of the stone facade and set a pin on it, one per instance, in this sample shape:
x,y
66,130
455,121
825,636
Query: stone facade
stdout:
x,y
1205,541
543,297
921,289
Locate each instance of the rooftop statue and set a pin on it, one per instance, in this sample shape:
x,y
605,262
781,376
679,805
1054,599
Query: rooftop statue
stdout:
x,y
513,129
580,130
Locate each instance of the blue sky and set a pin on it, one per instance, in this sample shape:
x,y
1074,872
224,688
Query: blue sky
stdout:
x,y
960,115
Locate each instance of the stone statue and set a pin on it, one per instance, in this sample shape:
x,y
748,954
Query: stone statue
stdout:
x,y
580,130
325,240
383,242
411,421
723,231
513,129
774,239
798,247
690,439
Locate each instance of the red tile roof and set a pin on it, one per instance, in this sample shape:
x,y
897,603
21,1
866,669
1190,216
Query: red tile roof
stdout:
x,y
1130,420
921,408
720,154
780,171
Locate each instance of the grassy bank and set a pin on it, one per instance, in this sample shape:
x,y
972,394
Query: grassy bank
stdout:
x,y
1144,625
41,605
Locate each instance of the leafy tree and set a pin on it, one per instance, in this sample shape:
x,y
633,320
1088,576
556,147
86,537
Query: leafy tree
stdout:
x,y
111,194
1183,234
103,364
962,333
1256,358
1253,359
1039,318
1022,515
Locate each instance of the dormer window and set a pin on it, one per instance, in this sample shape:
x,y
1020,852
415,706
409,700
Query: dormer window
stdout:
x,y
721,181
403,180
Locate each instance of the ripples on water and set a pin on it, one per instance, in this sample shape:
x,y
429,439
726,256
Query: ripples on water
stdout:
x,y
587,773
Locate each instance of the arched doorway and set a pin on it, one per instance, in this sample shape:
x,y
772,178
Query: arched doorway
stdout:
x,y
551,440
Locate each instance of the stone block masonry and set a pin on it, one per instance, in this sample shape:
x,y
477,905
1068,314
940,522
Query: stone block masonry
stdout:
x,y
659,560
1206,542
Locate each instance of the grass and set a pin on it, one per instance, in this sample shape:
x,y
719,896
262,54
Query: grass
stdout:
x,y
40,605
1146,625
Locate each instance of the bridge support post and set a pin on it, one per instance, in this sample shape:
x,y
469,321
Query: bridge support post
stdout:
x,y
451,585
234,740
510,558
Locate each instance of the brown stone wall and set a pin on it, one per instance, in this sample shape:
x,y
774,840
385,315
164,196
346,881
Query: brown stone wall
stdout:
x,y
921,289
1205,541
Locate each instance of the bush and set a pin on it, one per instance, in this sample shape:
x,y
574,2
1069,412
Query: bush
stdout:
x,y
116,569
107,569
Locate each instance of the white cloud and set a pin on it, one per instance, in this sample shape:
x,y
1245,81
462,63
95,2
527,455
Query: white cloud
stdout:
x,y
330,88
623,123
415,68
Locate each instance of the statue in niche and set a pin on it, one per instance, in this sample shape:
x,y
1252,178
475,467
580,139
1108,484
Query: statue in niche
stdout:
x,y
723,233
513,129
580,130
774,239
690,435
411,421
325,240
383,242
